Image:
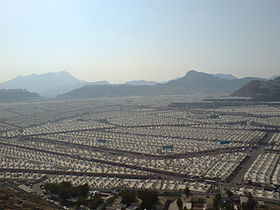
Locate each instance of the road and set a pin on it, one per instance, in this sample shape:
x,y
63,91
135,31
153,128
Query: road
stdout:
x,y
237,180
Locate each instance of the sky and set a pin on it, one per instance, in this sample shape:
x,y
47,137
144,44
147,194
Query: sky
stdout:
x,y
122,40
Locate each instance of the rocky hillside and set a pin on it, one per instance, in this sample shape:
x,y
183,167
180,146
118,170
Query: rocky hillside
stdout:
x,y
192,82
261,90
11,198
49,84
13,95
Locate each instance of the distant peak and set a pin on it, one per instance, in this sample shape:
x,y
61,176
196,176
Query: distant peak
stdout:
x,y
45,74
57,73
275,77
225,76
62,72
190,72
193,72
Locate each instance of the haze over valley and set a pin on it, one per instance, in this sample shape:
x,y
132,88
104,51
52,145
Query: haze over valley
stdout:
x,y
63,84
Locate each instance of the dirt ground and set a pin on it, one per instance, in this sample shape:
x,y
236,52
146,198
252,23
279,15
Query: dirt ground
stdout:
x,y
17,200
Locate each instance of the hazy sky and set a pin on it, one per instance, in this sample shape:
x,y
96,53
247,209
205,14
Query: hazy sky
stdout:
x,y
120,40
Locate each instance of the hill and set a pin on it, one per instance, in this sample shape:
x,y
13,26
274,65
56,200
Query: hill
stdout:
x,y
14,95
61,90
261,90
206,83
192,82
225,76
103,82
141,82
97,91
274,77
48,84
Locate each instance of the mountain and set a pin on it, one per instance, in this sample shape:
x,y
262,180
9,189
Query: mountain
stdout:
x,y
274,77
97,91
225,76
99,83
207,83
48,84
14,95
261,90
141,83
192,82
65,89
